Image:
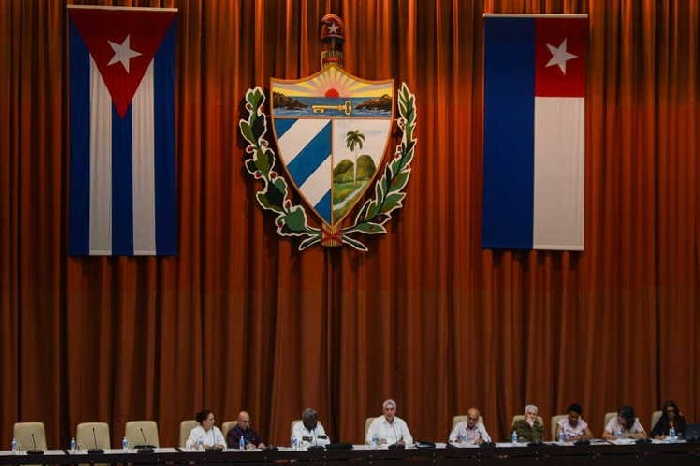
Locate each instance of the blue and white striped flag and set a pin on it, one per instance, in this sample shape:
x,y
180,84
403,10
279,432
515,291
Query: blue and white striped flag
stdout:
x,y
122,174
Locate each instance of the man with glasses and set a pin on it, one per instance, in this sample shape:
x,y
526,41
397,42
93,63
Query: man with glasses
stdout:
x,y
529,429
309,432
471,432
388,429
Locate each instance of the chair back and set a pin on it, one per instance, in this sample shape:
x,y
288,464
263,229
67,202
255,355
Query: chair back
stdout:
x,y
463,418
88,439
294,422
655,416
136,430
555,421
185,429
23,434
608,417
368,421
226,426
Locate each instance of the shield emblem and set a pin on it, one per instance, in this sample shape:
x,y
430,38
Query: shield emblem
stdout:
x,y
332,130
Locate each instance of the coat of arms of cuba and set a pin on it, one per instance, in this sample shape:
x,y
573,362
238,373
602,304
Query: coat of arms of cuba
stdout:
x,y
331,131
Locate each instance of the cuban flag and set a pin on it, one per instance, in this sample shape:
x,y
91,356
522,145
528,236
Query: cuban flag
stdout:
x,y
122,173
534,98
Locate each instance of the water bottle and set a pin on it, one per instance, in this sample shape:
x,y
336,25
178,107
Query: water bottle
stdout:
x,y
514,438
562,436
672,433
15,447
73,444
125,443
375,441
241,443
295,443
618,433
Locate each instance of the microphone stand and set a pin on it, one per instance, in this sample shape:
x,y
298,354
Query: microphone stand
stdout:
x,y
35,450
97,450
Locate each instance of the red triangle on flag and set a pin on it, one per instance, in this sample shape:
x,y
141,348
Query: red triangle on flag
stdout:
x,y
122,42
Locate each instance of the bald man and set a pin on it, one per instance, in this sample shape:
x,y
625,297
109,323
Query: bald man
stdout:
x,y
242,429
471,432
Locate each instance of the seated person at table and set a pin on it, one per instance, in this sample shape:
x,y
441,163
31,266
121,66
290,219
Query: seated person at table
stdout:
x,y
573,427
671,416
388,429
242,429
471,432
309,432
206,434
529,429
624,425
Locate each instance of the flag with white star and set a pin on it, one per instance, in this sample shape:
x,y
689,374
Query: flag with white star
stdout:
x,y
122,114
534,101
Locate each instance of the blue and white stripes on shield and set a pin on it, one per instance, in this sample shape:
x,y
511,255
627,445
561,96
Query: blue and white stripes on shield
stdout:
x,y
307,156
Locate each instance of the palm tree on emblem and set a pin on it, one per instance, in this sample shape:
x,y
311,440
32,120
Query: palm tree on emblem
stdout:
x,y
352,139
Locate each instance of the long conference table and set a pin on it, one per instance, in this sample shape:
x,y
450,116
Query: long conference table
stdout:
x,y
657,453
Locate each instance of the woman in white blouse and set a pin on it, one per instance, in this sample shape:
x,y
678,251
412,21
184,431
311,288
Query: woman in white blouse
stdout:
x,y
206,435
624,425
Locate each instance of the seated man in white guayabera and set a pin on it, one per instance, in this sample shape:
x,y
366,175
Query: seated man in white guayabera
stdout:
x,y
388,429
471,432
309,432
206,434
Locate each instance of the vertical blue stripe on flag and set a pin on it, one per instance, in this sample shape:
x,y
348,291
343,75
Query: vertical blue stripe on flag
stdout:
x,y
122,185
164,114
509,69
79,213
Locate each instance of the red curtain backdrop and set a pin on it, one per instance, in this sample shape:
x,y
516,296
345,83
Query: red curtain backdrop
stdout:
x,y
241,320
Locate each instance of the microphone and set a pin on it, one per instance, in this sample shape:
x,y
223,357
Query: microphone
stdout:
x,y
96,450
393,426
35,451
145,448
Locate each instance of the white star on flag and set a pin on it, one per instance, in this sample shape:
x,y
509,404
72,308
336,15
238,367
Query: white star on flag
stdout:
x,y
123,53
332,28
559,56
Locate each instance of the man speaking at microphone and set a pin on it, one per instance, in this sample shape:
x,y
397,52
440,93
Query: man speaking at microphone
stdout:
x,y
389,429
309,432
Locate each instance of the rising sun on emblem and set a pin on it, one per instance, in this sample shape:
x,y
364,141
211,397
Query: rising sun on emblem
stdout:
x,y
332,131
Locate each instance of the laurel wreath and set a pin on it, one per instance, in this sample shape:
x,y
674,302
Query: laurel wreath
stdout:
x,y
291,218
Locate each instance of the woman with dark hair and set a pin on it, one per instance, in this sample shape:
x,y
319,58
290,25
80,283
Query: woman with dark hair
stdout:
x,y
206,435
573,427
624,425
671,416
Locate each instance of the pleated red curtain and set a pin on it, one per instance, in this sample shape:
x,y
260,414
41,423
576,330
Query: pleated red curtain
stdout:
x,y
241,320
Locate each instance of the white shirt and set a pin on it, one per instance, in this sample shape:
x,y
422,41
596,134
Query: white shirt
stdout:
x,y
467,435
572,432
310,438
209,438
616,428
389,433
